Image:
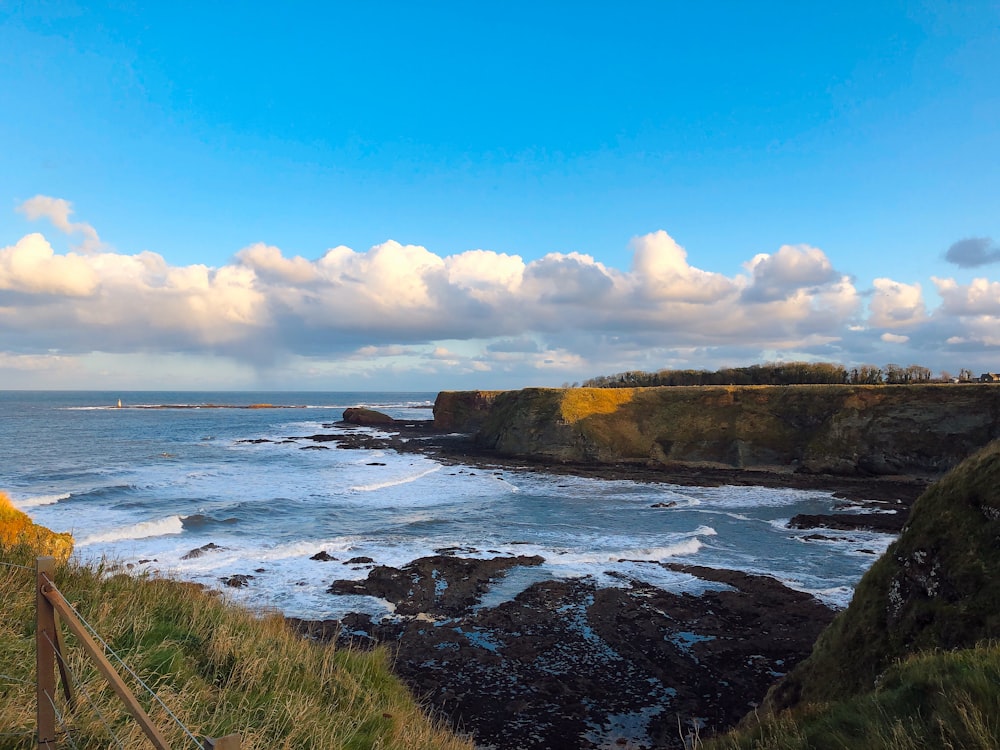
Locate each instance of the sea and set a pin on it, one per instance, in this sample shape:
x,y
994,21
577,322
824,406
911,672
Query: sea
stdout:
x,y
142,485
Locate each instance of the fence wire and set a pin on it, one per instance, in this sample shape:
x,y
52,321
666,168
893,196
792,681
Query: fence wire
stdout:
x,y
78,684
110,651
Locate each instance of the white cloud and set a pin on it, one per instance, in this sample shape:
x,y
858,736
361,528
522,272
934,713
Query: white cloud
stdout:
x,y
788,272
661,272
894,338
980,297
398,306
896,305
31,266
268,262
58,211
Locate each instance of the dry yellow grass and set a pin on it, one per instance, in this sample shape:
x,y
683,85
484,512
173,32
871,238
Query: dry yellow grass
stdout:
x,y
16,528
580,403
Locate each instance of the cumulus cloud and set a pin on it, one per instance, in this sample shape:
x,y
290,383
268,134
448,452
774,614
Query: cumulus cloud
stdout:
x,y
31,266
401,306
896,305
981,297
788,272
661,272
973,252
58,211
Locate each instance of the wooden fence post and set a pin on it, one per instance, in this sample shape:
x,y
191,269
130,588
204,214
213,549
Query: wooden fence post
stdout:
x,y
229,742
56,599
45,657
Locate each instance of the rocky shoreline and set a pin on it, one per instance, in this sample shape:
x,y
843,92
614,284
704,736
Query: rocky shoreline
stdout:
x,y
567,664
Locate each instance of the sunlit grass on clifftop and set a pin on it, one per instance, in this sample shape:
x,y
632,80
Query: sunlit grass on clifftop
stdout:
x,y
579,403
221,668
16,528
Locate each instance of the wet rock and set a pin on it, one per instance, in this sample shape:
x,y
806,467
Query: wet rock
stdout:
x,y
889,523
359,561
237,581
669,504
199,551
314,448
323,556
441,585
566,664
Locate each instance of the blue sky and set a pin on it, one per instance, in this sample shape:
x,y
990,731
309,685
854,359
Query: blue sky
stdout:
x,y
657,185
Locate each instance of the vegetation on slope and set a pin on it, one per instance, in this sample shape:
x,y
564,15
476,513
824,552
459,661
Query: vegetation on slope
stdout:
x,y
928,701
16,528
220,668
914,661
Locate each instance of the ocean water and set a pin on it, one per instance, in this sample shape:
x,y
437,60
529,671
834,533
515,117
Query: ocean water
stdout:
x,y
145,484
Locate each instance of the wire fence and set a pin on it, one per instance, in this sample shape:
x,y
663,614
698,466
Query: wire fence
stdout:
x,y
73,717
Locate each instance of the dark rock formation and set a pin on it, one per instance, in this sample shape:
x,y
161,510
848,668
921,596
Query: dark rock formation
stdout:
x,y
887,523
442,585
237,581
463,411
198,552
567,664
366,417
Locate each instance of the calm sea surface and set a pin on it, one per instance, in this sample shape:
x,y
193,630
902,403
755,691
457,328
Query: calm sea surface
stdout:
x,y
150,484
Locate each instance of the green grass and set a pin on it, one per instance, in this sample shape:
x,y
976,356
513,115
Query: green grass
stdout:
x,y
930,701
221,669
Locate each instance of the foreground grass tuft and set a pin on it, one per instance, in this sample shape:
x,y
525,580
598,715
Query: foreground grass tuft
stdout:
x,y
220,668
929,701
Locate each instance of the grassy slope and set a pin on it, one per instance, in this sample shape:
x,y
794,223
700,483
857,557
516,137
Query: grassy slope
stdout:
x,y
220,668
913,662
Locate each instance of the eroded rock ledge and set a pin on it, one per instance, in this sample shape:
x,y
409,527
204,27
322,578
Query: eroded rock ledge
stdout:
x,y
569,664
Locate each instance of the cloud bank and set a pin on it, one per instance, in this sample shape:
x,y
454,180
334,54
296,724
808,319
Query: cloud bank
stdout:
x,y
397,308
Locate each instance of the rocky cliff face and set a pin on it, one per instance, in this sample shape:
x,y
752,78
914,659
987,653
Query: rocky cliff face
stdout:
x,y
16,528
848,430
936,588
463,411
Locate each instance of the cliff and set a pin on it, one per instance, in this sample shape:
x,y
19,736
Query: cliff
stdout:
x,y
17,529
936,588
463,411
840,429
913,662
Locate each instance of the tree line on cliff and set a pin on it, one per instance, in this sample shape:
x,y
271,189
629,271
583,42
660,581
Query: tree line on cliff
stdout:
x,y
780,373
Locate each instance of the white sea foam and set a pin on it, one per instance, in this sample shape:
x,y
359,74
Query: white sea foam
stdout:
x,y
40,500
142,530
395,482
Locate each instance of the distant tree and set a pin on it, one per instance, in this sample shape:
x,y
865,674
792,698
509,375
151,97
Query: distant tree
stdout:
x,y
866,375
918,374
895,374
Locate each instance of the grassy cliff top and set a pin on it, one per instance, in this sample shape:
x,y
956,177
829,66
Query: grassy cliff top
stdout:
x,y
221,668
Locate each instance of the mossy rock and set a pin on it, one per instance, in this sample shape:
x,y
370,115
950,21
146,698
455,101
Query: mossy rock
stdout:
x,y
936,587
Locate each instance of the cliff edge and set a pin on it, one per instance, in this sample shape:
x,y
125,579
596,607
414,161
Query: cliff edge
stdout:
x,y
918,430
936,587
